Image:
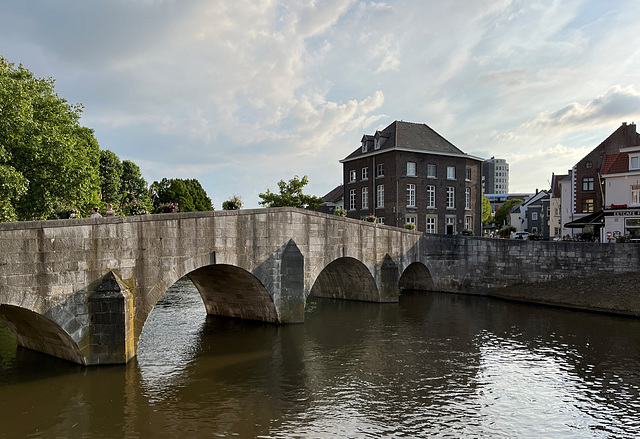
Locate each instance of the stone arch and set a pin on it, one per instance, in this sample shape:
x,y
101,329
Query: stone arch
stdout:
x,y
232,291
416,277
40,333
346,278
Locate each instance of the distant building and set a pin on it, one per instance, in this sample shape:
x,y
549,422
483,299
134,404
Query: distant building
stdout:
x,y
555,206
585,193
409,174
495,176
333,200
621,175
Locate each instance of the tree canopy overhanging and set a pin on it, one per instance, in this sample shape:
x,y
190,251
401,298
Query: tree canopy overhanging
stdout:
x,y
291,195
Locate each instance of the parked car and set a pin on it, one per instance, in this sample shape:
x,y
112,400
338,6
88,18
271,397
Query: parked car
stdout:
x,y
520,235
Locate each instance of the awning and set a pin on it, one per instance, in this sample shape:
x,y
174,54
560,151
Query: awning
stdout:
x,y
593,219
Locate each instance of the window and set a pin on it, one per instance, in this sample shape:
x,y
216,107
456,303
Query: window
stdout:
x,y
410,219
364,146
587,184
352,199
450,225
534,216
377,143
468,174
365,173
587,205
432,222
431,197
467,222
451,173
634,162
380,196
635,195
451,195
411,195
352,176
467,198
588,164
380,220
380,170
431,171
365,198
411,169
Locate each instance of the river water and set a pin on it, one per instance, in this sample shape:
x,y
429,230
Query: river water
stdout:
x,y
434,365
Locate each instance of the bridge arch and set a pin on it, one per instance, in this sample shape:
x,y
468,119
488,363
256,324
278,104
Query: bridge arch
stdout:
x,y
346,278
416,277
35,331
231,291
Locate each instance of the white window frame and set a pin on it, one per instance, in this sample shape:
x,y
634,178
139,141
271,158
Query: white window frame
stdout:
x,y
432,224
364,146
380,196
411,195
410,219
468,174
411,169
352,199
431,197
365,173
534,216
450,219
635,195
352,176
365,198
468,221
380,170
634,162
467,198
434,168
451,197
380,220
451,172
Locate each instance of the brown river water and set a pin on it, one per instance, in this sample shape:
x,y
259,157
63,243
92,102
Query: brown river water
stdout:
x,y
433,365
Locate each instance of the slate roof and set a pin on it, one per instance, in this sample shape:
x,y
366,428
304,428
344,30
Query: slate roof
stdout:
x,y
408,135
615,163
334,195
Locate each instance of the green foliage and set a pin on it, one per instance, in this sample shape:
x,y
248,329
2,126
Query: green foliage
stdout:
x,y
340,212
47,159
410,226
187,194
487,218
233,203
134,187
110,177
371,219
467,232
503,212
291,195
134,207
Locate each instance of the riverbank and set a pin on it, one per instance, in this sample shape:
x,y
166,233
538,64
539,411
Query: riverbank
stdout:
x,y
611,293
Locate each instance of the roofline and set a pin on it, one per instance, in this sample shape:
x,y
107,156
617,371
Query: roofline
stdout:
x,y
622,174
377,152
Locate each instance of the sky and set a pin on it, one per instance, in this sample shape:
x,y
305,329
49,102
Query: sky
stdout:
x,y
240,94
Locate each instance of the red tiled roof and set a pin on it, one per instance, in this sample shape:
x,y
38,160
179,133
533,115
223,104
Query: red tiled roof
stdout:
x,y
615,163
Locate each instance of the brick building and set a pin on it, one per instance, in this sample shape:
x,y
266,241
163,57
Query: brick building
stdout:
x,y
408,173
585,195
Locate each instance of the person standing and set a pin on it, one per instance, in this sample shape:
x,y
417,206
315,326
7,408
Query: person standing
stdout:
x,y
110,211
95,213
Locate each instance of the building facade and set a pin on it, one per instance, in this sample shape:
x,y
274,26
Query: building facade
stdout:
x,y
495,176
621,175
409,174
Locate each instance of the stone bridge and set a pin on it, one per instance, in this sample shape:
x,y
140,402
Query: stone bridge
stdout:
x,y
82,289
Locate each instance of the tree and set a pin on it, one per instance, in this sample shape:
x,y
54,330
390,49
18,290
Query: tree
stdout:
x,y
487,218
47,159
110,176
233,203
503,212
291,195
187,194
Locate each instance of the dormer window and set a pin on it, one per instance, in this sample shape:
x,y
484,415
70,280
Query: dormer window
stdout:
x,y
364,146
377,143
634,162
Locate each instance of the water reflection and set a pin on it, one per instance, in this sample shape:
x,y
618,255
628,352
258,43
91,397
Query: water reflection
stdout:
x,y
432,365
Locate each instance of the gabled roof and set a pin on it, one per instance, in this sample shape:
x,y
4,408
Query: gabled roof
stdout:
x,y
402,135
615,163
556,191
334,195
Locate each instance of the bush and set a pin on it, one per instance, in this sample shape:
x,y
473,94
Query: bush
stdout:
x,y
340,212
467,232
370,219
410,226
233,203
134,207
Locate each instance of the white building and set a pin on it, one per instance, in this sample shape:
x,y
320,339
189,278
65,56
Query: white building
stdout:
x,y
621,175
495,176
